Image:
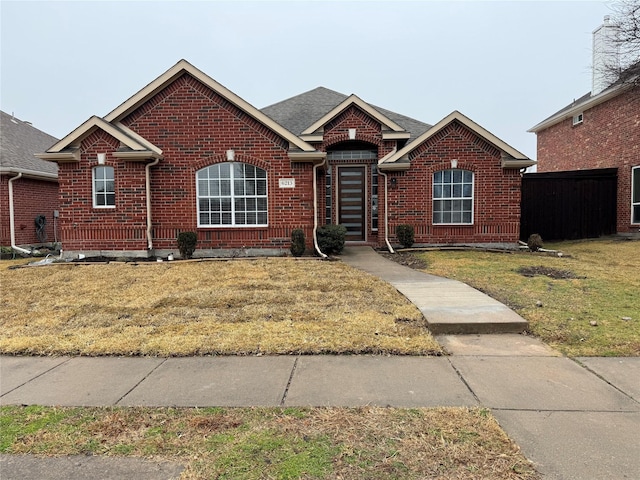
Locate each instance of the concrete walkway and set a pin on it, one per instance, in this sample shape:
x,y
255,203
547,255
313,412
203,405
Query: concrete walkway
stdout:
x,y
575,419
448,305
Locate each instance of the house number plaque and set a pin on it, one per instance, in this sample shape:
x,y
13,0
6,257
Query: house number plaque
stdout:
x,y
287,182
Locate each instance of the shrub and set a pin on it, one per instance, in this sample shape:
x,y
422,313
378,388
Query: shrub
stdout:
x,y
535,242
331,238
405,234
187,243
297,242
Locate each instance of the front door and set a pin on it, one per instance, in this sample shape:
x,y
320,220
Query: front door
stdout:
x,y
351,202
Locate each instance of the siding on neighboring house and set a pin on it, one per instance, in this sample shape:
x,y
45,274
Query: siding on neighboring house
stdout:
x,y
30,198
608,137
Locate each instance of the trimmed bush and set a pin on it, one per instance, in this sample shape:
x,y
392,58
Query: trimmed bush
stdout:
x,y
187,243
331,238
406,235
297,242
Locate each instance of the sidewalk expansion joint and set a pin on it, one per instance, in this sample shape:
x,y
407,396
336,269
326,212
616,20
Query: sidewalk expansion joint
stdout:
x,y
586,367
37,376
286,389
141,380
463,380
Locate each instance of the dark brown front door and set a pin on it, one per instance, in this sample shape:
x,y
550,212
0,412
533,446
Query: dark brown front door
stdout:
x,y
351,202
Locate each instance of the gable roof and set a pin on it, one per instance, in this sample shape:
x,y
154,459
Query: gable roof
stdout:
x,y
185,67
580,105
19,142
512,158
302,111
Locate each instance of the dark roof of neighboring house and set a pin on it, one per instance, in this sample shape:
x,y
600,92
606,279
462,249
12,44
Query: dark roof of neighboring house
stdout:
x,y
19,142
297,113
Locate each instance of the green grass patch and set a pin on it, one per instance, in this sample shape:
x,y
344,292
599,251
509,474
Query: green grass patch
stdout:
x,y
285,444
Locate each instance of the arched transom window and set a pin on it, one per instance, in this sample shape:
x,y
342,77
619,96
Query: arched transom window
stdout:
x,y
453,197
232,194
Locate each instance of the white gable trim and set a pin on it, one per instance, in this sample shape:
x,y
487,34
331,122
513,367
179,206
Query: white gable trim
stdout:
x,y
183,66
353,100
470,124
87,128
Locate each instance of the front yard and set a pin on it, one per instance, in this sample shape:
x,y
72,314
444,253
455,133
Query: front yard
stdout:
x,y
244,307
585,303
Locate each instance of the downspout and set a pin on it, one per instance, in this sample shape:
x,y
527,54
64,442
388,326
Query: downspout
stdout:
x,y
386,202
315,207
12,223
386,216
147,169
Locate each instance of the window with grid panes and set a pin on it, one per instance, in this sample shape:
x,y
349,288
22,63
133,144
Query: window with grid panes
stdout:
x,y
232,194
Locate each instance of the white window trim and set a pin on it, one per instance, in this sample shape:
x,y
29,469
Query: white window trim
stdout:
x,y
93,187
258,225
472,198
578,118
634,204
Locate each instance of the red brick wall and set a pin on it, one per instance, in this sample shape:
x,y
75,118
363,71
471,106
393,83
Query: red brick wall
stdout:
x,y
496,217
30,199
194,127
608,137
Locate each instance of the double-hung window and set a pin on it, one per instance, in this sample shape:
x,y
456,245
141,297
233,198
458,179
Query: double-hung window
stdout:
x,y
232,194
104,191
453,197
635,195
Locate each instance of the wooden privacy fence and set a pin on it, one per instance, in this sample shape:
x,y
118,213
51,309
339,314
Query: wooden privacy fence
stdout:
x,y
569,205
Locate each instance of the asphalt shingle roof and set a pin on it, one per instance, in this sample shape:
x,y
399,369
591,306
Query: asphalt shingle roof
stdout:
x,y
297,113
19,141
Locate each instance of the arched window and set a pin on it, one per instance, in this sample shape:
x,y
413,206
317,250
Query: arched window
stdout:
x,y
104,189
453,197
232,194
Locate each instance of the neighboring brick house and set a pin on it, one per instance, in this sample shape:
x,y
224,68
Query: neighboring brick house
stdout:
x,y
28,185
597,131
187,154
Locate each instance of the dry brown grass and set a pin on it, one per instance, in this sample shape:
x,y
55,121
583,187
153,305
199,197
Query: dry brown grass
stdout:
x,y
268,306
257,443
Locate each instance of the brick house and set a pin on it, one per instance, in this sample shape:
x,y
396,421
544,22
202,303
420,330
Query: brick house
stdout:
x,y
599,130
28,185
187,154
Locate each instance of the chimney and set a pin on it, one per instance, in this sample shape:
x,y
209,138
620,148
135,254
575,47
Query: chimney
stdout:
x,y
606,61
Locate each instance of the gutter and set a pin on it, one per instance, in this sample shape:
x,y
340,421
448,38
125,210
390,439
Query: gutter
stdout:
x,y
315,207
50,177
147,170
12,224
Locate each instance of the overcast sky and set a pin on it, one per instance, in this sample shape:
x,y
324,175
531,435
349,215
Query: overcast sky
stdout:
x,y
506,65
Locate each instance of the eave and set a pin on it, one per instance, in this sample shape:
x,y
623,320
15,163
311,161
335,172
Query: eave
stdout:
x,y
314,157
137,155
580,107
394,167
32,174
508,162
67,156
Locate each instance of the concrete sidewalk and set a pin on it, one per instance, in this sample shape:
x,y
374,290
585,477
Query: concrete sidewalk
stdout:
x,y
575,419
